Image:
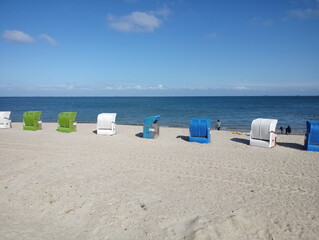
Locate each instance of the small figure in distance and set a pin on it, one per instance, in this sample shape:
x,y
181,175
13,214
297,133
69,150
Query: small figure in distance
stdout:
x,y
218,125
281,129
288,130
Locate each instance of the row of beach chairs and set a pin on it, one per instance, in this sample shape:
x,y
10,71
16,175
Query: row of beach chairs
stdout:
x,y
262,134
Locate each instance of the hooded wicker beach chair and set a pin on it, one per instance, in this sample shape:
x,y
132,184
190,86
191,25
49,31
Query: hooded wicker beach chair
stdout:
x,y
263,133
312,136
66,122
31,120
199,130
5,121
106,123
151,127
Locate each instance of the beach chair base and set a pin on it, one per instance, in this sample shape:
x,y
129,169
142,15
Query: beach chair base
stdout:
x,y
199,139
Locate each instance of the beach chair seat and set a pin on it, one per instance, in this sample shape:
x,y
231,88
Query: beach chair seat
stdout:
x,y
31,120
151,127
5,121
106,123
312,136
263,133
199,130
66,122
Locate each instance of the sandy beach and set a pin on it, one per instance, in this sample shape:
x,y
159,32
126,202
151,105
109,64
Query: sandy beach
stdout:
x,y
86,186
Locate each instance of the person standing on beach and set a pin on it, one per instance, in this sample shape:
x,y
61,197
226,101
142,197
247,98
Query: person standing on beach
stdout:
x,y
288,130
281,129
218,125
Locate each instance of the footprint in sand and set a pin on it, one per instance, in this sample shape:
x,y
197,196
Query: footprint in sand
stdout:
x,y
201,235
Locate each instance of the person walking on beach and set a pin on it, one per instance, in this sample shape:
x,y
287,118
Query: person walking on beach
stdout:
x,y
218,125
281,129
288,130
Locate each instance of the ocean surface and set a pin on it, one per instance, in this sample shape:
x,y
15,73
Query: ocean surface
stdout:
x,y
235,113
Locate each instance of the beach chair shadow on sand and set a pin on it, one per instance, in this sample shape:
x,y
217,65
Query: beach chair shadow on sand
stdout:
x,y
291,145
185,138
240,140
140,135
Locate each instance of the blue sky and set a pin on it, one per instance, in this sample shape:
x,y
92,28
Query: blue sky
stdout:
x,y
159,47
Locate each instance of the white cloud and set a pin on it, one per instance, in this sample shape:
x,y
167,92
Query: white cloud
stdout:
x,y
134,22
48,39
17,36
52,87
195,88
304,13
108,87
136,87
159,86
241,88
139,87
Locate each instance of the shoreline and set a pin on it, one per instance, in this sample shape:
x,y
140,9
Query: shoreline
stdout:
x,y
226,129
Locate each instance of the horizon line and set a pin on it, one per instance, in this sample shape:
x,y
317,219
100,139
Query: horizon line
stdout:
x,y
178,96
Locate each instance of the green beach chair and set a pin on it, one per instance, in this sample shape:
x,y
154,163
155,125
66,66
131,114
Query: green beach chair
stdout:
x,y
66,122
31,120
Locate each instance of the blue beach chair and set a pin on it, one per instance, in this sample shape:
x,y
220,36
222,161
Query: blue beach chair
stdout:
x,y
199,130
151,127
312,136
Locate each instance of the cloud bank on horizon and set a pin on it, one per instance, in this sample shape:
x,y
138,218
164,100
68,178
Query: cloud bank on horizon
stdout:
x,y
166,48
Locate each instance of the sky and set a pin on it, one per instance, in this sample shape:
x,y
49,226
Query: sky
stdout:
x,y
159,47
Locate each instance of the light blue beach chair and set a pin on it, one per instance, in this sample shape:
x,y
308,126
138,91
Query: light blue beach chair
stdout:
x,y
151,127
312,136
199,130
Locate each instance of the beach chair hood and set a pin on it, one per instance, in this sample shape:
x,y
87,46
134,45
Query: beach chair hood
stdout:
x,y
66,122
5,121
31,120
262,132
106,123
151,127
260,128
199,130
312,136
105,120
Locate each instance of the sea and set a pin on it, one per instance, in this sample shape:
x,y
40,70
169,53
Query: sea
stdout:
x,y
235,113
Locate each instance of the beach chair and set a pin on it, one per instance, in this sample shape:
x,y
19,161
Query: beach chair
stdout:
x,y
199,130
263,133
66,122
312,136
5,121
151,127
106,123
31,120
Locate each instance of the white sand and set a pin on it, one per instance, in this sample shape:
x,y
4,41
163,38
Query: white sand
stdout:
x,y
86,186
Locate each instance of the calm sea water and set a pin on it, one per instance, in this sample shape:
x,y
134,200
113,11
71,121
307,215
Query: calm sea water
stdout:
x,y
235,113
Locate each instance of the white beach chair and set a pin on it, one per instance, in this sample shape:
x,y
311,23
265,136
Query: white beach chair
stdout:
x,y
106,123
5,121
263,133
